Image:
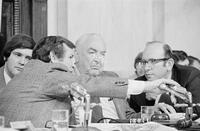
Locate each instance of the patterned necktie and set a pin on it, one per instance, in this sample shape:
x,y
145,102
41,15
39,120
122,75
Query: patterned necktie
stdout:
x,y
97,113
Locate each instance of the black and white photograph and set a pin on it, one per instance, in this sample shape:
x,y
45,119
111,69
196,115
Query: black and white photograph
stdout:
x,y
99,65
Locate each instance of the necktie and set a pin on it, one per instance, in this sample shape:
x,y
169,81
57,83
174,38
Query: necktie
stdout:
x,y
97,113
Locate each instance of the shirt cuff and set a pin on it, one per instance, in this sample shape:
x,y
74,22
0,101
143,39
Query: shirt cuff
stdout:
x,y
157,99
135,87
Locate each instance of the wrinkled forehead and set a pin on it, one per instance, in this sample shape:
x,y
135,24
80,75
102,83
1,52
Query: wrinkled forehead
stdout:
x,y
96,44
91,43
154,50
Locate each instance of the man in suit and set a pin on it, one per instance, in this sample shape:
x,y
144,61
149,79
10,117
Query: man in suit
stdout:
x,y
158,63
45,82
16,53
91,51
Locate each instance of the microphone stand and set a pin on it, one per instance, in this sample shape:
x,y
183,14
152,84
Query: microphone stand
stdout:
x,y
187,122
87,110
78,91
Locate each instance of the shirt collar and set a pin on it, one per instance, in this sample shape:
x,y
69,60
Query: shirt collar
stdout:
x,y
6,76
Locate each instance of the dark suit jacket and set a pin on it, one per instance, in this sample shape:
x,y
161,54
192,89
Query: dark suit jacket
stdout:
x,y
187,77
2,79
36,91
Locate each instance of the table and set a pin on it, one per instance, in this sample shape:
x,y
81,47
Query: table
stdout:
x,y
150,126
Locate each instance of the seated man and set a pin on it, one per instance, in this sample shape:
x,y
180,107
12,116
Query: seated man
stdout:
x,y
91,50
139,70
45,82
158,63
16,53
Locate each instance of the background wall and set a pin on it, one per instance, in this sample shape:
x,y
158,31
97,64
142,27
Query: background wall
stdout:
x,y
126,25
182,25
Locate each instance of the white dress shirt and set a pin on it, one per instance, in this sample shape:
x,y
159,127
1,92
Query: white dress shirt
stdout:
x,y
108,107
6,76
135,87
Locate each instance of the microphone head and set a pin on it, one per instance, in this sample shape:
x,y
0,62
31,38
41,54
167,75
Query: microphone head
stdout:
x,y
77,90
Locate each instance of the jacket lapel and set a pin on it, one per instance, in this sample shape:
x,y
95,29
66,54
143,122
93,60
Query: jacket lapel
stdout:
x,y
120,105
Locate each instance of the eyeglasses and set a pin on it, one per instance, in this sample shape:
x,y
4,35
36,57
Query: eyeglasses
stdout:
x,y
153,61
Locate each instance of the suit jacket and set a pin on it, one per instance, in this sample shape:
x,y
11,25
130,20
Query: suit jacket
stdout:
x,y
38,89
120,104
187,77
2,79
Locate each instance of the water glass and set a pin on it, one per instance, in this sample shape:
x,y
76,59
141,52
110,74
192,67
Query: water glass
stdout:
x,y
2,121
60,119
147,112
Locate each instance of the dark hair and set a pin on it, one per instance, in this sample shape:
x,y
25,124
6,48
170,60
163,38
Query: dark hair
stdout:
x,y
138,58
166,48
20,41
48,44
192,59
179,55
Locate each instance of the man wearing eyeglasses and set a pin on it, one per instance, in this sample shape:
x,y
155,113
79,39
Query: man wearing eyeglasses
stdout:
x,y
158,63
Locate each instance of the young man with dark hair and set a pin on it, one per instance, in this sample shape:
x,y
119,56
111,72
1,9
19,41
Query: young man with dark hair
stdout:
x,y
56,49
16,53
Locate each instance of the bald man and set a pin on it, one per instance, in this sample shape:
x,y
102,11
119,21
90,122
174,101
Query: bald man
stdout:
x,y
91,50
158,63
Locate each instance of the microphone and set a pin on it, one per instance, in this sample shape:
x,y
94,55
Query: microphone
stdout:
x,y
183,123
87,110
178,92
78,91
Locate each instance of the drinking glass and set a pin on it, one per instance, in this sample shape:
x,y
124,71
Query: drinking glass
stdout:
x,y
60,119
2,121
147,112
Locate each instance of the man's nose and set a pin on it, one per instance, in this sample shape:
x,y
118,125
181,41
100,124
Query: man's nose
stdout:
x,y
147,67
98,57
23,61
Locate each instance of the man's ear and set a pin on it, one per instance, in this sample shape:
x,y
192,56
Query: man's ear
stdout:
x,y
170,63
52,57
4,58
